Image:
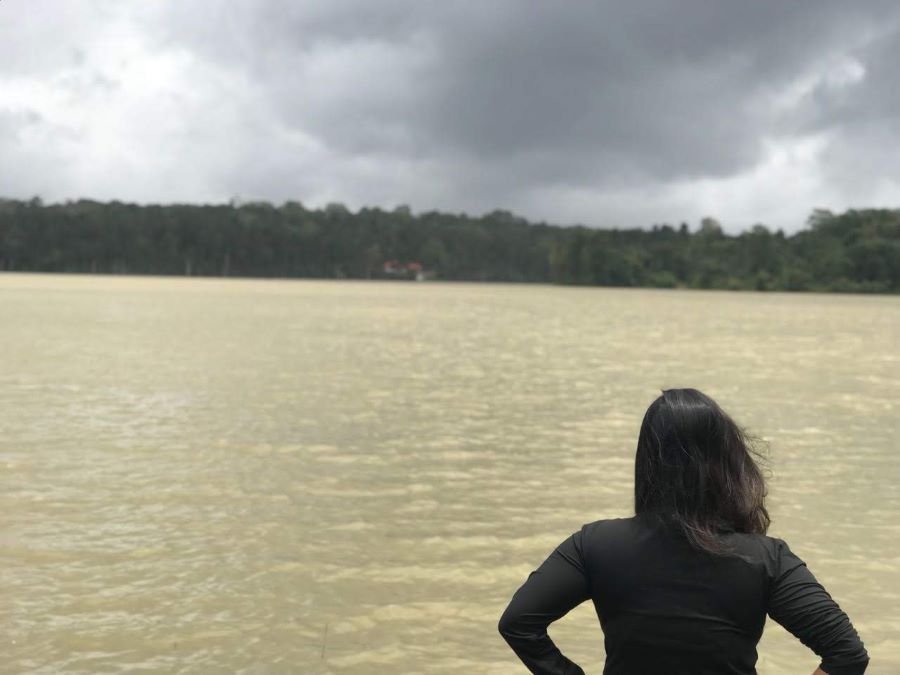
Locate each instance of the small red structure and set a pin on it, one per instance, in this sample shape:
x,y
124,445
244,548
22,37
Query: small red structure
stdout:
x,y
411,270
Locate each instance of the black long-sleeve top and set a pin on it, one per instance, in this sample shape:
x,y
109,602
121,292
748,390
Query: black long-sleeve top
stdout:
x,y
666,607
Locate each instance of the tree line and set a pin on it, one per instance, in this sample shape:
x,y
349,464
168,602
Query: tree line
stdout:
x,y
856,251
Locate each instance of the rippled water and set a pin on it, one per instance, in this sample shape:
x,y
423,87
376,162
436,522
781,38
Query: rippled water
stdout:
x,y
354,477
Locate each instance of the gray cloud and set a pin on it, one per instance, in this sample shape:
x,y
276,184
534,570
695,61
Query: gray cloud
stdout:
x,y
605,113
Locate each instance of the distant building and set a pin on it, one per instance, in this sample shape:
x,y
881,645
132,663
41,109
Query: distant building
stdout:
x,y
393,267
410,270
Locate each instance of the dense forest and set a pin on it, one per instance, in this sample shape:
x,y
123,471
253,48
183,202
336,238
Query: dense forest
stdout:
x,y
857,251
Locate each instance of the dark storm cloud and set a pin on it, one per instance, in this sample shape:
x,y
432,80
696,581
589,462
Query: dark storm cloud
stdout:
x,y
606,113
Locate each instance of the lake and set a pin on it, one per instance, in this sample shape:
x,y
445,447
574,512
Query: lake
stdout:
x,y
267,476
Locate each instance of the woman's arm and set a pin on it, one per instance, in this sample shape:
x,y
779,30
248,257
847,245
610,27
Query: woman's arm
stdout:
x,y
549,592
799,603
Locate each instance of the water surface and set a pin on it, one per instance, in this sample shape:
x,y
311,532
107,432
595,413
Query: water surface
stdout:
x,y
204,475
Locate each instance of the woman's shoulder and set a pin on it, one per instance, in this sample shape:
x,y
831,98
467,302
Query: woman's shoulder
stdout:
x,y
772,552
610,525
764,543
607,530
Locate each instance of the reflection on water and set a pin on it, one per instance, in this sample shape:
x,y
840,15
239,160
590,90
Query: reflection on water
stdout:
x,y
353,477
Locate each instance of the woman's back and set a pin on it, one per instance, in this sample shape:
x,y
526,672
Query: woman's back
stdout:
x,y
685,585
667,607
663,604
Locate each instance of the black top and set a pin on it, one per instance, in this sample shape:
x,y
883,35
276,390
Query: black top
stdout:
x,y
666,607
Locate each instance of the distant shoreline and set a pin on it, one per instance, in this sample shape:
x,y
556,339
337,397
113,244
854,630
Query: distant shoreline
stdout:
x,y
430,282
854,252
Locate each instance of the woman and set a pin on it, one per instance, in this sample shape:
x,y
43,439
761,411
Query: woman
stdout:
x,y
685,585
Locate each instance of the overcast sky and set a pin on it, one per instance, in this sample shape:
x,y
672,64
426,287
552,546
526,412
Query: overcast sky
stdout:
x,y
603,113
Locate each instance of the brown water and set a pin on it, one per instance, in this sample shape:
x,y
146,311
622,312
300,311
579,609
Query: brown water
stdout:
x,y
354,477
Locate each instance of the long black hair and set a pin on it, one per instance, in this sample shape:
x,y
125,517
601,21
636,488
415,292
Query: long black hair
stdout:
x,y
695,469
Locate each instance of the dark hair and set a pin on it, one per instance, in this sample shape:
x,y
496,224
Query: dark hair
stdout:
x,y
694,468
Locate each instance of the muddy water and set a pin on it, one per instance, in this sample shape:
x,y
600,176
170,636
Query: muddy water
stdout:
x,y
353,477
